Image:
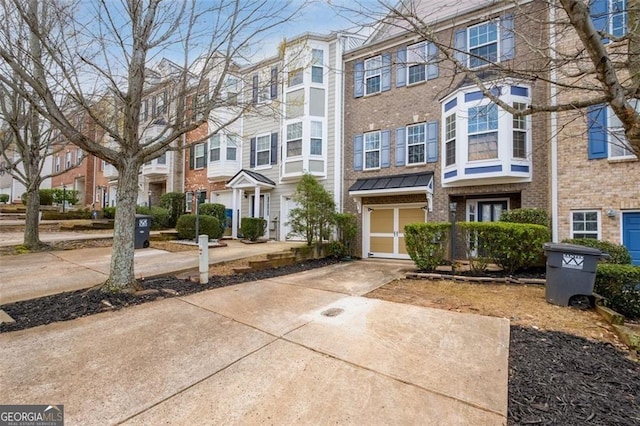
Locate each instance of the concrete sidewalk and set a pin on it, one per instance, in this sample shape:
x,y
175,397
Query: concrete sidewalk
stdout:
x,y
35,275
300,349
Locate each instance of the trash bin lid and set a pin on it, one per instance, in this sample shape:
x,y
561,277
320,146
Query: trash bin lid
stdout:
x,y
572,248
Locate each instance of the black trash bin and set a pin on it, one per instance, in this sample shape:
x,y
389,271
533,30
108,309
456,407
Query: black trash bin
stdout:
x,y
571,274
143,227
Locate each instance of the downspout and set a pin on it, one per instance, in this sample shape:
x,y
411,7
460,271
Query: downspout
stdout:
x,y
553,92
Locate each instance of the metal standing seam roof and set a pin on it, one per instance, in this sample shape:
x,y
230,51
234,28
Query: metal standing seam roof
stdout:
x,y
257,176
392,182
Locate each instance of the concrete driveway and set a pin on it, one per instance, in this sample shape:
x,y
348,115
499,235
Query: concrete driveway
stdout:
x,y
279,351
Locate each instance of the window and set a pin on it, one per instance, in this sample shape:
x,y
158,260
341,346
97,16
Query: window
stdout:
x,y
618,144
68,161
144,110
609,16
416,144
57,163
483,132
160,104
450,140
199,156
232,90
265,94
162,159
316,138
294,139
520,132
78,156
317,69
372,150
188,201
295,77
416,60
199,106
232,147
263,150
483,44
585,224
373,75
214,148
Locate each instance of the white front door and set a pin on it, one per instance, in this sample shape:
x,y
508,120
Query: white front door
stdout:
x,y
264,210
287,205
383,229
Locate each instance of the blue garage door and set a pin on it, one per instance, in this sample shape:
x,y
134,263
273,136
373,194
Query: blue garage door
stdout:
x,y
631,235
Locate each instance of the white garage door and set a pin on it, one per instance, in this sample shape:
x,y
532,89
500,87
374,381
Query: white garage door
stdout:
x,y
384,230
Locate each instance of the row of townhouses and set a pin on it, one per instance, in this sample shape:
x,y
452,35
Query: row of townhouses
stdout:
x,y
398,136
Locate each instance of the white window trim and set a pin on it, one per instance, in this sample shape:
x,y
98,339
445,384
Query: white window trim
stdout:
x,y
454,139
205,152
599,219
378,74
422,63
287,140
364,150
322,139
263,166
611,140
315,65
485,132
212,147
495,22
57,165
188,201
423,143
526,131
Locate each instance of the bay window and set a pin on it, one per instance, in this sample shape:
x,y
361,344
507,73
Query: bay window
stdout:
x,y
483,132
294,139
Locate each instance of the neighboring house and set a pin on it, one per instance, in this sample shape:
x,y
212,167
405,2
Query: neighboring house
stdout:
x,y
294,127
598,193
164,173
12,186
78,170
420,140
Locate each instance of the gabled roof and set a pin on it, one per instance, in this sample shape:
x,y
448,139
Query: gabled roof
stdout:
x,y
246,178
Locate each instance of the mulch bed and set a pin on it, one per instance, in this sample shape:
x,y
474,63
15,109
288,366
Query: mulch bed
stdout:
x,y
560,379
554,378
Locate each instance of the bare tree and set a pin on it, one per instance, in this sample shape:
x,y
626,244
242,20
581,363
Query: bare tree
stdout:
x,y
100,54
586,57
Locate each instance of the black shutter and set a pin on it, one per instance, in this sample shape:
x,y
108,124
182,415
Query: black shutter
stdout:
x,y
252,153
274,148
192,155
254,89
274,82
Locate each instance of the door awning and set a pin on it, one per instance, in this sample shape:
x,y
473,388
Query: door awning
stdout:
x,y
249,179
415,183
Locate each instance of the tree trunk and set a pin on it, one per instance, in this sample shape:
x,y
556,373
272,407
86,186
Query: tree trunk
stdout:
x,y
121,273
32,221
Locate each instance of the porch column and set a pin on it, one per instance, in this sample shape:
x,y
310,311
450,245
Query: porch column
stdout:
x,y
234,214
256,202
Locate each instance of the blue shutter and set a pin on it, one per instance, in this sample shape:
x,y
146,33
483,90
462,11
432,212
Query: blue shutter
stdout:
x,y
401,67
597,125
385,148
432,141
358,79
252,153
357,152
401,146
432,57
386,72
598,9
461,46
507,38
274,148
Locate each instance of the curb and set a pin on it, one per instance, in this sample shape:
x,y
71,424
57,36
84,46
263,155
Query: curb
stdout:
x,y
478,280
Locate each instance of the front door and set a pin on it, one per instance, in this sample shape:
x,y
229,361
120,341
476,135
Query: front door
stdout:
x,y
484,211
264,210
631,235
385,234
289,204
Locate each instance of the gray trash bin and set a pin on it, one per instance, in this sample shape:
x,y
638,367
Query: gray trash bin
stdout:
x,y
571,274
143,227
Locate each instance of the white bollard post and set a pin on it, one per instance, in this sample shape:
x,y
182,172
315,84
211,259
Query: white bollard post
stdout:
x,y
203,243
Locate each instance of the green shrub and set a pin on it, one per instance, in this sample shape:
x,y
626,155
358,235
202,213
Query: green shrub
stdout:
x,y
69,215
512,246
208,225
533,216
253,227
620,285
46,197
618,254
175,203
160,217
109,212
4,198
346,230
70,195
427,243
216,210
